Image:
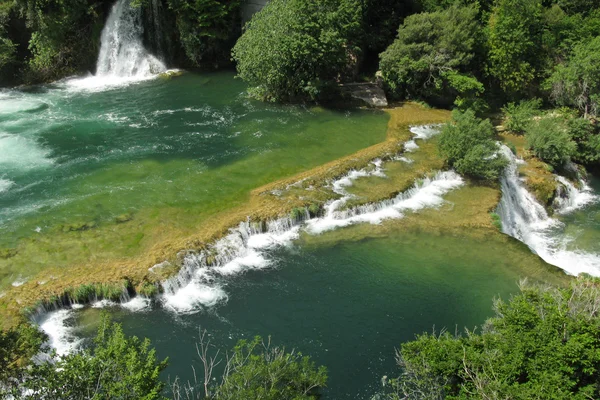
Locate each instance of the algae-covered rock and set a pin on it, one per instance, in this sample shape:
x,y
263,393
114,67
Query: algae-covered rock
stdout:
x,y
79,226
123,218
171,73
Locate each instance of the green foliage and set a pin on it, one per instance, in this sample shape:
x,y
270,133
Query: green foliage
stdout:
x,y
585,134
258,371
549,140
542,344
17,346
496,221
518,116
295,49
431,55
95,291
514,44
65,36
207,28
116,367
576,83
467,145
314,210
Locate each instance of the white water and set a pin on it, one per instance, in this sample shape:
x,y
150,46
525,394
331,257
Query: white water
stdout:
x,y
526,220
122,58
572,198
60,332
201,281
202,278
5,184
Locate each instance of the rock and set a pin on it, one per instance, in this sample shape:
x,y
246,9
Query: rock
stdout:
x,y
369,93
170,73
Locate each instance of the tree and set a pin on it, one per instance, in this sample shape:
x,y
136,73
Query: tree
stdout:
x,y
577,82
542,344
431,55
467,145
116,366
296,49
255,370
549,140
514,44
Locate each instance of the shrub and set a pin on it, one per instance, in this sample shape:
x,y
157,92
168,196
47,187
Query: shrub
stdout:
x,y
542,344
518,116
549,140
467,145
116,367
583,132
296,49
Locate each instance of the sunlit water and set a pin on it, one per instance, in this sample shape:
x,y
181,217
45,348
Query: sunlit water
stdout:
x,y
169,153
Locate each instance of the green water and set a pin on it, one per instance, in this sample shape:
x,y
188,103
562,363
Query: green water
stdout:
x,y
346,302
166,153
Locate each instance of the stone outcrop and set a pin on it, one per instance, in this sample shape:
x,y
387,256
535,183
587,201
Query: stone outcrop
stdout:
x,y
369,93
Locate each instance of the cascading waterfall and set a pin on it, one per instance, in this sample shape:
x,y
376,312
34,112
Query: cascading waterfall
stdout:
x,y
122,53
200,281
526,220
122,58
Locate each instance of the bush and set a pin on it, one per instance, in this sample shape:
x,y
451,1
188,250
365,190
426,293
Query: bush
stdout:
x,y
295,49
518,116
467,145
116,367
549,140
542,344
430,56
585,135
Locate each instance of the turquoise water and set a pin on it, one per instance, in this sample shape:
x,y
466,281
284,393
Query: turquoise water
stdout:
x,y
348,304
169,154
165,153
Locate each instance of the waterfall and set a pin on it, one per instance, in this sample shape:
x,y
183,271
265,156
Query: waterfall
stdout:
x,y
526,220
203,275
122,59
122,53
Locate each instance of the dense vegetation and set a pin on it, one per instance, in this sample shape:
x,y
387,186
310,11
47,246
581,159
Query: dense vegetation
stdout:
x,y
542,344
467,143
120,367
44,40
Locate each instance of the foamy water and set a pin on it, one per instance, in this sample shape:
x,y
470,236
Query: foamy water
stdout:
x,y
5,184
526,220
60,331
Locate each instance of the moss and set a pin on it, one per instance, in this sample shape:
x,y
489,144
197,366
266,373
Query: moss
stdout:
x,y
297,213
496,221
314,210
79,226
148,289
8,253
